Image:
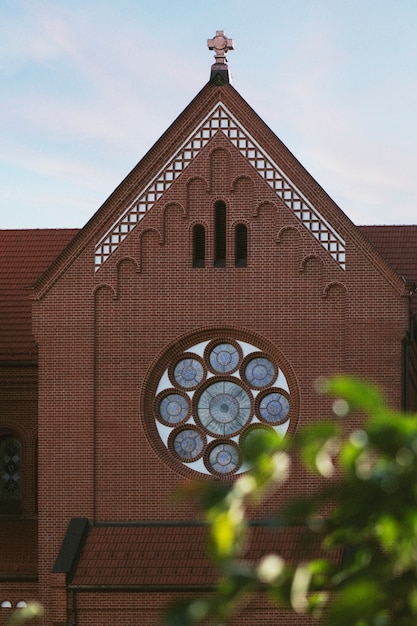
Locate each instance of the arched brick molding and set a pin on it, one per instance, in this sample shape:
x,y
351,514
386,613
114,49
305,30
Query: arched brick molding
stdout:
x,y
220,171
208,389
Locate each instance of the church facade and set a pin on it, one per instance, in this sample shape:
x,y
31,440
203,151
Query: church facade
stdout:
x,y
202,301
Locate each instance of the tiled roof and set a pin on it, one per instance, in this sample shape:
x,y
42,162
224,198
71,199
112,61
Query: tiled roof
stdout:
x,y
398,246
18,549
24,256
173,556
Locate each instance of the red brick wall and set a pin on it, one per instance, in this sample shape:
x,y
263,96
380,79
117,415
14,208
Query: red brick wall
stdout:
x,y
101,334
145,609
19,417
14,593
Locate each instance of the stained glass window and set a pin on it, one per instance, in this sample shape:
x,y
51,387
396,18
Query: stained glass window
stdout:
x,y
210,397
274,408
260,372
173,408
224,358
223,458
224,408
10,476
188,373
188,444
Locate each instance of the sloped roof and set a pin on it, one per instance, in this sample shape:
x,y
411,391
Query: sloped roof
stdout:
x,y
18,549
398,246
24,256
174,555
215,112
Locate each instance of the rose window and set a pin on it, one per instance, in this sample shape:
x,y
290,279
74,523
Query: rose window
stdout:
x,y
223,408
205,399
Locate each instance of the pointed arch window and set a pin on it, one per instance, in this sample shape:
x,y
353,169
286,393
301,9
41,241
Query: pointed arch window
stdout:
x,y
10,474
241,245
220,234
199,246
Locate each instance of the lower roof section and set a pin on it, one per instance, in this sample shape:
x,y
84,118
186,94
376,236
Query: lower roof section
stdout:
x,y
167,556
24,256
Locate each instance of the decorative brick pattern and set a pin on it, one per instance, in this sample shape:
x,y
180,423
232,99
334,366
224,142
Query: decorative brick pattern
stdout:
x,y
221,120
103,339
226,432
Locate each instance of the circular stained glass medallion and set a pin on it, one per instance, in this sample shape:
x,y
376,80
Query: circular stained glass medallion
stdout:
x,y
274,408
223,458
209,397
188,444
188,373
259,372
223,408
173,408
224,358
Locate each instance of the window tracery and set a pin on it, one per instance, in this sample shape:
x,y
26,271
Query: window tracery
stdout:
x,y
210,396
10,474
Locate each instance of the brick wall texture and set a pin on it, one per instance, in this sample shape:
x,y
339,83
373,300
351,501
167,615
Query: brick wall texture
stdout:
x,y
103,334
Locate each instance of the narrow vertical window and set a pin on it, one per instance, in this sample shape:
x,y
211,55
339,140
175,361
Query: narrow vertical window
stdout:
x,y
241,245
199,246
220,234
10,474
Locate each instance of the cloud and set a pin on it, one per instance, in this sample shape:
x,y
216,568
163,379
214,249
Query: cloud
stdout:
x,y
91,86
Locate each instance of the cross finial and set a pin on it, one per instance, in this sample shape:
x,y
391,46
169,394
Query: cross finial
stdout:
x,y
220,74
221,45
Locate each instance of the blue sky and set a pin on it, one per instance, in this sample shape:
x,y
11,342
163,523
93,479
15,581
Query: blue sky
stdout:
x,y
89,85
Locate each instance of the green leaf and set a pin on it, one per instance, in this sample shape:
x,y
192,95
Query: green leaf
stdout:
x,y
355,603
260,442
358,394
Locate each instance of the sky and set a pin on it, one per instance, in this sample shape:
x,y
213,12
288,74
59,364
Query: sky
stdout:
x,y
88,86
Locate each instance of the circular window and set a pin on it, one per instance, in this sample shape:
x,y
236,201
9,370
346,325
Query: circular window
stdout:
x,y
207,398
259,371
274,407
188,373
223,458
188,443
173,408
223,408
224,358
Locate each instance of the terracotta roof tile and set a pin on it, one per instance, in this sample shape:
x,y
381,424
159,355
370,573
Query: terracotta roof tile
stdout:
x,y
398,246
165,555
18,548
24,256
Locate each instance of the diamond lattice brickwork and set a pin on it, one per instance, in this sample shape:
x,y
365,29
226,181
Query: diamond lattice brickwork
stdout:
x,y
221,120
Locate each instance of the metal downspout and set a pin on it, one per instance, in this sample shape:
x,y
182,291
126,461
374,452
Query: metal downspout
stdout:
x,y
73,608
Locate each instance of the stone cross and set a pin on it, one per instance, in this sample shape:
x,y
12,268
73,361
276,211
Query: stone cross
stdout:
x,y
220,44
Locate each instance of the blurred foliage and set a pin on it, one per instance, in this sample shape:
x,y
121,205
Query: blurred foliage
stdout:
x,y
369,493
32,611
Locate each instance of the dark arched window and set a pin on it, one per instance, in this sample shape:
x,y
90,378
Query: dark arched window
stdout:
x,y
220,234
199,246
36,475
241,245
10,474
